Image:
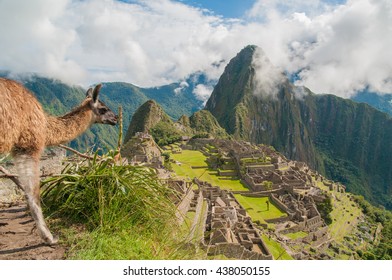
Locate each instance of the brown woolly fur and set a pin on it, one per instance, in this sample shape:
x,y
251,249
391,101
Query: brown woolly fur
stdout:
x,y
25,130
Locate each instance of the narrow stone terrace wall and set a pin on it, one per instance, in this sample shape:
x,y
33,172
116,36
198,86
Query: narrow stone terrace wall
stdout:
x,y
184,205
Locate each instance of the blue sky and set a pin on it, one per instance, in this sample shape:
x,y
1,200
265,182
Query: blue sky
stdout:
x,y
226,8
333,46
238,8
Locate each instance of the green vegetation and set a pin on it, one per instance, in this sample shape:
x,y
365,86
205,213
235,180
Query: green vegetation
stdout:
x,y
124,211
193,165
150,118
203,122
277,251
165,133
296,235
344,215
186,226
325,208
383,248
257,208
267,185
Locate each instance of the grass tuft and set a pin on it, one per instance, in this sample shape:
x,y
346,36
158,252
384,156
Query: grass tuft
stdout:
x,y
125,211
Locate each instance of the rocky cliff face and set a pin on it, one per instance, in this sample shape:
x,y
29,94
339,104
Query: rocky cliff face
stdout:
x,y
344,140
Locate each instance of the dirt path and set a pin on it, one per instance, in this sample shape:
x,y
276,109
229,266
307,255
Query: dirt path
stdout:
x,y
19,239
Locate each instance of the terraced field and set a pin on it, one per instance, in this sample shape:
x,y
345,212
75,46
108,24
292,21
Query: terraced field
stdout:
x,y
345,214
257,208
192,164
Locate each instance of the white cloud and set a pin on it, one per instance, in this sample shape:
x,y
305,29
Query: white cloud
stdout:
x,y
147,42
203,92
267,77
334,48
182,86
271,8
341,50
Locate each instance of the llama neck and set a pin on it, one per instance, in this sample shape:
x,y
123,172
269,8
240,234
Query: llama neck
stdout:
x,y
66,128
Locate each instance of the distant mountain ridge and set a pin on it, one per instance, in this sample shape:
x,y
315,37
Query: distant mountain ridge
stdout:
x,y
57,98
346,141
382,102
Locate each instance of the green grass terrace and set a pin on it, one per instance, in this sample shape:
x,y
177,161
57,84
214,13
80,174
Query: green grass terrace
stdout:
x,y
258,209
193,164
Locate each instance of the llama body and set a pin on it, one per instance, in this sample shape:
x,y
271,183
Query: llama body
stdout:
x,y
25,130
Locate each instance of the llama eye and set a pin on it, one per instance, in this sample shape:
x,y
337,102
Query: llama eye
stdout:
x,y
102,111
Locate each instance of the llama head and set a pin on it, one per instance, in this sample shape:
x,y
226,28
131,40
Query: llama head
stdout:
x,y
102,113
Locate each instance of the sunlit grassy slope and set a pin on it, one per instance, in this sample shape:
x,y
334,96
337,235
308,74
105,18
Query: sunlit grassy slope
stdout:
x,y
345,214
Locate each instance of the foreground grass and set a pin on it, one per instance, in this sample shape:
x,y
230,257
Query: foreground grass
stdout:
x,y
191,159
128,244
110,211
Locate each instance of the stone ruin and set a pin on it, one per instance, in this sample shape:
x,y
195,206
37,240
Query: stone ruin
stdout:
x,y
226,228
141,149
292,187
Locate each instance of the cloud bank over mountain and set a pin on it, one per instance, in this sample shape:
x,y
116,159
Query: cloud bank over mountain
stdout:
x,y
331,47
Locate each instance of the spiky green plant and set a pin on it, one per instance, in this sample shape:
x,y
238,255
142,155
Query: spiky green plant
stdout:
x,y
103,193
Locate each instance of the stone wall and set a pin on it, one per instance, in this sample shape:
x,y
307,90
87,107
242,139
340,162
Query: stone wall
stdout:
x,y
278,220
280,204
314,223
236,251
184,205
195,224
51,163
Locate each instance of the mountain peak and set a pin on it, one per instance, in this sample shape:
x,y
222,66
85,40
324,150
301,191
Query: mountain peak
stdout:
x,y
250,73
346,141
146,117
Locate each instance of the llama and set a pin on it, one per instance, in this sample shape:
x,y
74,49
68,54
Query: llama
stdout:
x,y
25,130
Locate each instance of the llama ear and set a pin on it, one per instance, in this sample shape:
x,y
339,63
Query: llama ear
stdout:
x,y
96,92
89,92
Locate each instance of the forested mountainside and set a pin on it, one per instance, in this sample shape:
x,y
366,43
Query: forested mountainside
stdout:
x,y
344,140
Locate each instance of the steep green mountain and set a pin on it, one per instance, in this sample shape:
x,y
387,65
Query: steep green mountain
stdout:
x,y
203,122
151,118
58,98
346,141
